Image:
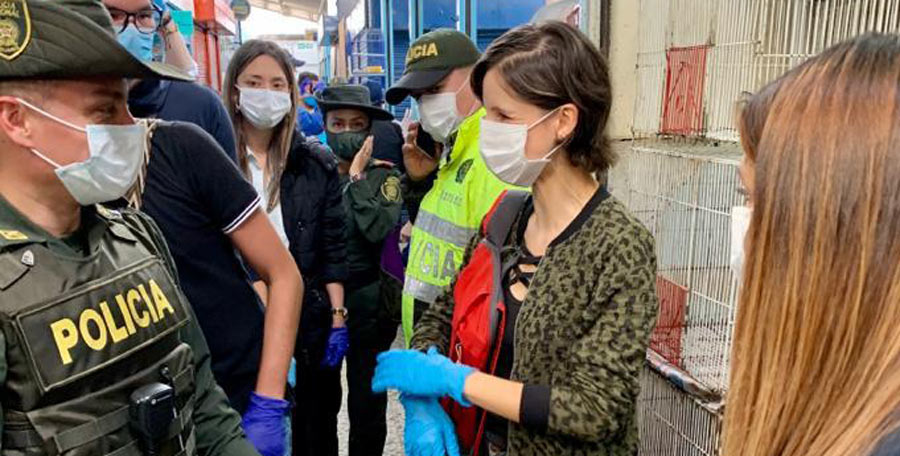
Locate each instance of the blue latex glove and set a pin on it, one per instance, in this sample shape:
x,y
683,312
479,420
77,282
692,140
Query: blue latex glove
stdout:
x,y
428,430
419,374
292,373
338,344
264,422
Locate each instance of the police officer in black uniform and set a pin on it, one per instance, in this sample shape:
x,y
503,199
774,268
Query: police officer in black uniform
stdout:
x,y
100,352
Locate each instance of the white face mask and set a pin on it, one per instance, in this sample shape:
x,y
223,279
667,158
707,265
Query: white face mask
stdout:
x,y
264,108
440,118
503,149
116,157
740,224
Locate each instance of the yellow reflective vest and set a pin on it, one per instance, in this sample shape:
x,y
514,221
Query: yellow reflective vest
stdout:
x,y
449,215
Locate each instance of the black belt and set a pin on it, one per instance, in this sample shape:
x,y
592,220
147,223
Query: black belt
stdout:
x,y
88,432
104,425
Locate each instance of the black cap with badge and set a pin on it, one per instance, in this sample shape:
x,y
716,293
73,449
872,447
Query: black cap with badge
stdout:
x,y
67,39
430,59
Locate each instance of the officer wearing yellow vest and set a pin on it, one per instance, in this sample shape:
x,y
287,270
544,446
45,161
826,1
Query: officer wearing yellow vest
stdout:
x,y
100,352
458,188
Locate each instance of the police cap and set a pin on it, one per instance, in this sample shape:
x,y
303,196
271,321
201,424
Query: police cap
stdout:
x,y
430,59
67,39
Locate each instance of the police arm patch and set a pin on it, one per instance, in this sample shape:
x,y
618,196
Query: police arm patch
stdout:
x,y
390,189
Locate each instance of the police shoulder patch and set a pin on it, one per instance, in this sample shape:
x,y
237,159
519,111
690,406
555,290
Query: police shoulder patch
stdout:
x,y
390,189
463,170
15,28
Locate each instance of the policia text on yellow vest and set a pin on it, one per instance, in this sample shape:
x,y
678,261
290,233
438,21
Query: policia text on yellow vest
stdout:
x,y
449,216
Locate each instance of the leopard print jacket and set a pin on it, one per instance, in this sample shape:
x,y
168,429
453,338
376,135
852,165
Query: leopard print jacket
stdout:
x,y
583,330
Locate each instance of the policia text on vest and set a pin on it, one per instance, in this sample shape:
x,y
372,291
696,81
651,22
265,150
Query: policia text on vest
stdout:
x,y
102,322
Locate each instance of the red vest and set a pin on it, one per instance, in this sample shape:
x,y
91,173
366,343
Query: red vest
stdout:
x,y
479,314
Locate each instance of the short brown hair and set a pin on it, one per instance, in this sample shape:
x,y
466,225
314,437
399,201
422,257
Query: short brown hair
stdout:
x,y
552,64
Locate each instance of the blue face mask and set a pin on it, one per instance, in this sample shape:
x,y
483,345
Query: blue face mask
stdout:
x,y
138,44
311,102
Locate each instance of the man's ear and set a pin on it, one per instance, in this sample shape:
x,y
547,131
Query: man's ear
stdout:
x,y
15,122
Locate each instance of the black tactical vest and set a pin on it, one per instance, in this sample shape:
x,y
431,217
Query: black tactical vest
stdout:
x,y
81,335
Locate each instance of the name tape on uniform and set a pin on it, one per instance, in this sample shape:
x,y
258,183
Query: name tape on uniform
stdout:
x,y
101,323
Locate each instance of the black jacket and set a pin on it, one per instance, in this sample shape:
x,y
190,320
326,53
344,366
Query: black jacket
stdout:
x,y
314,222
311,205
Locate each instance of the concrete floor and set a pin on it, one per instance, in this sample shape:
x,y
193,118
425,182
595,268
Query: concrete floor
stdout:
x,y
394,444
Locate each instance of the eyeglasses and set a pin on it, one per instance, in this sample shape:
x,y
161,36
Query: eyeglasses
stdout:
x,y
146,21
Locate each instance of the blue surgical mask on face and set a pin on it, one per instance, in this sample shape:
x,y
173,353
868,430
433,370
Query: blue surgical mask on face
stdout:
x,y
138,44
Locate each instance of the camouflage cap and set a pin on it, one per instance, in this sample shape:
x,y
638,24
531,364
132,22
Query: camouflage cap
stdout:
x,y
66,39
430,59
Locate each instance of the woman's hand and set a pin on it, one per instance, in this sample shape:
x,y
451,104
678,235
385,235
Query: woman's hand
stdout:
x,y
428,430
361,160
419,374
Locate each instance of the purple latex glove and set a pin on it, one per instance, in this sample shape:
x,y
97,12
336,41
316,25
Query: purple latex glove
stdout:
x,y
338,344
264,424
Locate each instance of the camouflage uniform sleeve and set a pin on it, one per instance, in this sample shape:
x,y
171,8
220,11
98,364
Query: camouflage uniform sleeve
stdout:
x,y
218,426
375,203
414,192
597,394
434,326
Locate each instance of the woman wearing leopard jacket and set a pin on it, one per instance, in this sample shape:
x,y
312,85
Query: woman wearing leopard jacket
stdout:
x,y
545,329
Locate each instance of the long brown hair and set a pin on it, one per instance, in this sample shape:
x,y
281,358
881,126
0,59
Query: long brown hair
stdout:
x,y
816,357
284,132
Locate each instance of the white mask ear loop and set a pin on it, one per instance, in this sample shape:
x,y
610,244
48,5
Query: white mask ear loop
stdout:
x,y
51,116
538,122
460,89
46,159
543,118
55,119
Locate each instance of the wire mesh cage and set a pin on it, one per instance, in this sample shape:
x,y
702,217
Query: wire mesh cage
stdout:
x,y
745,45
694,60
672,423
685,199
684,192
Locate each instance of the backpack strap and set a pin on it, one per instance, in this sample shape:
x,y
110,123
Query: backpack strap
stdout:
x,y
499,221
135,195
497,225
